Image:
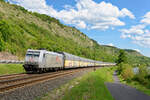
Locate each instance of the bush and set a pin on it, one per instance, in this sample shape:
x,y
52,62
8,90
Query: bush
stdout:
x,y
21,8
142,75
120,67
127,72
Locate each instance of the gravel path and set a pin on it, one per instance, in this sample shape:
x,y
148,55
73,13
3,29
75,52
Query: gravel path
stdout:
x,y
116,79
123,92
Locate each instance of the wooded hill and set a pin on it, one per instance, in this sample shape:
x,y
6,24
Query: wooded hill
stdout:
x,y
21,29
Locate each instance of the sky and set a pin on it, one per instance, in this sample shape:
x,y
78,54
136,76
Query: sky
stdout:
x,y
121,23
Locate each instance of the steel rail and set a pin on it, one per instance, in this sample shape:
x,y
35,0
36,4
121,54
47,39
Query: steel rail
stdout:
x,y
23,83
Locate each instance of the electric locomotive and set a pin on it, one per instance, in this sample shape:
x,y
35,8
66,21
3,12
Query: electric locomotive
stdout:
x,y
44,61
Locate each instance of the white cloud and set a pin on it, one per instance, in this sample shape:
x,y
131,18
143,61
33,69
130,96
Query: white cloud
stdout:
x,y
138,34
95,15
85,14
125,12
36,6
110,44
137,29
141,40
137,50
81,24
125,36
146,18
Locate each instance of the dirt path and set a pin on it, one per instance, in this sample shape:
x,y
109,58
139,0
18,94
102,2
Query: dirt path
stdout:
x,y
123,92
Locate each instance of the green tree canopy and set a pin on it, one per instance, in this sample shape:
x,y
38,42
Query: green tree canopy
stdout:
x,y
5,30
2,0
122,57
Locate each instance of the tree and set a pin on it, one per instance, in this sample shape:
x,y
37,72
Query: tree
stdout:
x,y
122,57
5,30
2,0
127,72
2,46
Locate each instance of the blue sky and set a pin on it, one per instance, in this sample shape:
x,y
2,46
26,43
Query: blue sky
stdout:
x,y
122,23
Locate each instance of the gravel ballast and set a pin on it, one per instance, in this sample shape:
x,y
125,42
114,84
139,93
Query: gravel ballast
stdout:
x,y
38,90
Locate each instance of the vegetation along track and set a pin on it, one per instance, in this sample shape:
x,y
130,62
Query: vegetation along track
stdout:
x,y
16,82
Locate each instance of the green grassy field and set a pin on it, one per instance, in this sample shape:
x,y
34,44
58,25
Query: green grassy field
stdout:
x,y
90,87
11,69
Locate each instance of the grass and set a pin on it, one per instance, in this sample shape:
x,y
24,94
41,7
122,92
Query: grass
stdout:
x,y
89,87
136,85
11,69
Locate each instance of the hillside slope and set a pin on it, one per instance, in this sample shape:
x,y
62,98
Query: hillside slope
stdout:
x,y
21,29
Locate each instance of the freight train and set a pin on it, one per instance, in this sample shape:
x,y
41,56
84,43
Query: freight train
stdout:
x,y
43,61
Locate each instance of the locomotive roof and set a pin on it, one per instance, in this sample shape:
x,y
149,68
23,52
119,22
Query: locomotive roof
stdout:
x,y
45,51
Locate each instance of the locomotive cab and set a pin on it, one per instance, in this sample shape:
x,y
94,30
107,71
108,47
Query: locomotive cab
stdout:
x,y
43,61
33,60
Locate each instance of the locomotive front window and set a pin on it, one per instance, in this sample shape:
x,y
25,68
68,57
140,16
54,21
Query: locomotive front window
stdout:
x,y
33,55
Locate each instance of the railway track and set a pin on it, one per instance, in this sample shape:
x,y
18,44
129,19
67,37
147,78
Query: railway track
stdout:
x,y
15,82
12,76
